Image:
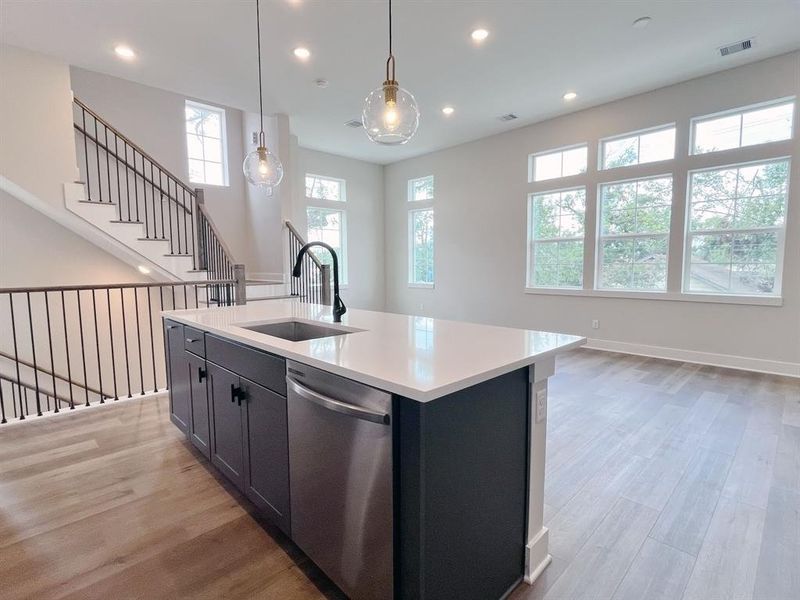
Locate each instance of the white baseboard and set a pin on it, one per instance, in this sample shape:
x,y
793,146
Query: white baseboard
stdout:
x,y
263,275
731,361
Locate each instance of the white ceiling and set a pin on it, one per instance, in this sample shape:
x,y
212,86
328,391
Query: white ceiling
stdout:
x,y
537,50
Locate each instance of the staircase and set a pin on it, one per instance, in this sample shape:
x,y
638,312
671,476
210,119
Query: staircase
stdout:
x,y
128,195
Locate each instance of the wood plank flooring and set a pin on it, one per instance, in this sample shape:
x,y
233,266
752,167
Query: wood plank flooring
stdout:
x,y
665,481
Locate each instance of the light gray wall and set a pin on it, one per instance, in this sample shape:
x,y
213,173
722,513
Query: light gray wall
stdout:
x,y
481,203
365,219
154,119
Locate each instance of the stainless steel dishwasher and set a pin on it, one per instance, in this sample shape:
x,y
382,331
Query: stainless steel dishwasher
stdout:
x,y
340,477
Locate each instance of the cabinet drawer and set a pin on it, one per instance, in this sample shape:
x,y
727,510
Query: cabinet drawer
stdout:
x,y
194,341
257,366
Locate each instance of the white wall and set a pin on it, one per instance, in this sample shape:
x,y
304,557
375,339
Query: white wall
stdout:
x,y
481,203
365,219
154,119
37,148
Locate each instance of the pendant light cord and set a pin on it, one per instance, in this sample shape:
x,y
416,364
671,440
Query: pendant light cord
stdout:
x,y
390,27
390,60
260,93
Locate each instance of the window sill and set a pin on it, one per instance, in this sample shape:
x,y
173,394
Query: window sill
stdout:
x,y
423,286
668,296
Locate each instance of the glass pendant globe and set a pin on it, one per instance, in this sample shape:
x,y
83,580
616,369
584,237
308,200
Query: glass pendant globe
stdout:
x,y
390,115
262,168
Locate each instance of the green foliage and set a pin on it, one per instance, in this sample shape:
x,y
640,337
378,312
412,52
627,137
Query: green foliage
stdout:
x,y
422,238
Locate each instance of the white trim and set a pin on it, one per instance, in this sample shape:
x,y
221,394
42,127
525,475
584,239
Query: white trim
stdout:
x,y
410,239
651,295
410,189
342,209
728,361
740,111
223,140
342,188
532,162
601,147
423,286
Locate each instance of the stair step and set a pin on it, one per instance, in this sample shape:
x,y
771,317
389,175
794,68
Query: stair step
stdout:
x,y
126,222
262,298
176,254
153,239
264,282
100,202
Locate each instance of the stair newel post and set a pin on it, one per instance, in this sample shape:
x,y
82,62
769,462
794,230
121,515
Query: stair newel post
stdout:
x,y
325,277
240,279
202,254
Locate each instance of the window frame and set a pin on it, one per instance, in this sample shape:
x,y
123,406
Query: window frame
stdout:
x,y
780,232
223,140
638,133
342,188
530,262
560,150
741,111
411,248
410,190
599,237
342,254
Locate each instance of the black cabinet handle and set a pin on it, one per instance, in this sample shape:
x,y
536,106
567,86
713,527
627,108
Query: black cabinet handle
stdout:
x,y
201,374
192,340
237,394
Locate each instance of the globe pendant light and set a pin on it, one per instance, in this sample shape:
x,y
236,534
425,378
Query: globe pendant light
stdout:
x,y
390,114
261,167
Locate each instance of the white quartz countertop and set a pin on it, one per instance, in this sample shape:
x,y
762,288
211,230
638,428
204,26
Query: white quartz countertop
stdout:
x,y
417,357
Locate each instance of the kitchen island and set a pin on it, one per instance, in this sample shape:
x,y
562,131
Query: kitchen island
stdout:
x,y
404,455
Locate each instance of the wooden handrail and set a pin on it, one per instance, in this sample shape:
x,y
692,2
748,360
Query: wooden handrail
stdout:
x,y
133,145
300,239
133,168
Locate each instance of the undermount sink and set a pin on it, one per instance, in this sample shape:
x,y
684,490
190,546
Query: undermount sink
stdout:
x,y
295,331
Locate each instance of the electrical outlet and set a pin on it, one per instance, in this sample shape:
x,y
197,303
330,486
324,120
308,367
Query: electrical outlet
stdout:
x,y
595,324
541,405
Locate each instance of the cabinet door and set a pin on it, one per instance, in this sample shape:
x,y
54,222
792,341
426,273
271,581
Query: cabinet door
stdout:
x,y
178,370
267,452
226,441
199,426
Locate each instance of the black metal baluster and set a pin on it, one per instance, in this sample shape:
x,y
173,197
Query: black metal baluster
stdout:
x,y
50,345
33,351
86,155
135,184
111,341
116,168
2,404
144,200
125,339
66,350
152,336
138,338
16,350
161,192
97,155
83,349
126,164
108,165
169,214
97,348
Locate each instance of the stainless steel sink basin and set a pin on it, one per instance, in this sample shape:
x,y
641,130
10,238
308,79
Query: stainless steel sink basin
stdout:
x,y
295,331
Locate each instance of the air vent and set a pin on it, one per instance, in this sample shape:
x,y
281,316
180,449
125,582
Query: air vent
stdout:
x,y
353,123
508,117
737,47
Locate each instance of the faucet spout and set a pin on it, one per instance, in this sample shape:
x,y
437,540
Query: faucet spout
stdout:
x,y
338,306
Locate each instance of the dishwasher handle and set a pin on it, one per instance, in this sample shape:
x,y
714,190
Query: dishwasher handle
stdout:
x,y
337,405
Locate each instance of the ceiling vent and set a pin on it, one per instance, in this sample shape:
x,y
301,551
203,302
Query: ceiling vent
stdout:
x,y
737,47
353,123
508,117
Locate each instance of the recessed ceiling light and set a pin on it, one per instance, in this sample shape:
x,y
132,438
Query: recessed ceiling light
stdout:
x,y
448,110
479,35
143,270
642,22
302,53
570,96
124,51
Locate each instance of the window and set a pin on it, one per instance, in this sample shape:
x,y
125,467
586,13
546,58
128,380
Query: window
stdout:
x,y
558,163
743,127
555,238
325,188
205,144
634,234
420,232
420,189
421,244
638,148
734,241
328,225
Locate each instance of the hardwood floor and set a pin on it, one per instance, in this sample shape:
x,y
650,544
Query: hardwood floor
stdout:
x,y
665,480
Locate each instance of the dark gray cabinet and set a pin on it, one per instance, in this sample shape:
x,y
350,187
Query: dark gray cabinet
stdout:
x,y
177,371
227,449
199,421
266,446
